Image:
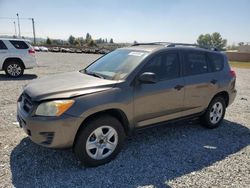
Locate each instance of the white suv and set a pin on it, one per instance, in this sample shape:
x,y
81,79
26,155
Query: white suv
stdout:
x,y
15,56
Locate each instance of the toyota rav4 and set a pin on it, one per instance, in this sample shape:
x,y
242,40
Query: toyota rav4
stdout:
x,y
94,109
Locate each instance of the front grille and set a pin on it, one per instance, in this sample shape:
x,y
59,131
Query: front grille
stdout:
x,y
26,103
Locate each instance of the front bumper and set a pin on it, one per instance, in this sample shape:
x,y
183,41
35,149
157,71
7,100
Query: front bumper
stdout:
x,y
51,132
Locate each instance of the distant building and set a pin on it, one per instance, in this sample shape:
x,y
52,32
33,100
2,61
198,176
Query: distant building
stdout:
x,y
244,48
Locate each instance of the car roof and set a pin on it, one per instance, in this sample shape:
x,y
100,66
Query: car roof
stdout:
x,y
152,47
16,39
147,48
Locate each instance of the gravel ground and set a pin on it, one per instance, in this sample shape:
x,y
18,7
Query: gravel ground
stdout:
x,y
177,155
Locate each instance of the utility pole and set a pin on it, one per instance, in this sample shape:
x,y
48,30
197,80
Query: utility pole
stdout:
x,y
15,28
18,25
34,31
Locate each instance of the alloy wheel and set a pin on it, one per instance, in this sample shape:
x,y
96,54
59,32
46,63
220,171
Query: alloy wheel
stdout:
x,y
14,70
216,113
102,142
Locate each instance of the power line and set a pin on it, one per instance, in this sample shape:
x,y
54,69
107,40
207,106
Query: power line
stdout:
x,y
18,18
7,18
10,18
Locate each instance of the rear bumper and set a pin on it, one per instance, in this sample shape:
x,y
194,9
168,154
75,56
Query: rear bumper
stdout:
x,y
30,62
51,132
232,96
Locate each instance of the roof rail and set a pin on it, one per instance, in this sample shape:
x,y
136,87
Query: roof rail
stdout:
x,y
182,44
149,43
172,44
192,45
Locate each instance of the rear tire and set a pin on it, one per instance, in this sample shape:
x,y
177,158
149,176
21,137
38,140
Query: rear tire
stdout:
x,y
214,114
99,141
14,69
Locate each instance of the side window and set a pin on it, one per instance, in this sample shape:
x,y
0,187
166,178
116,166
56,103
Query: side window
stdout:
x,y
2,45
19,44
165,66
195,63
215,61
171,65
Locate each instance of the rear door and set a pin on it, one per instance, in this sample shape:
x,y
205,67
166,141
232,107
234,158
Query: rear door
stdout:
x,y
161,101
3,53
200,83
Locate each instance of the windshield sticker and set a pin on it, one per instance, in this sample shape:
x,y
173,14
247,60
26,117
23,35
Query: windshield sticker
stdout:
x,y
136,53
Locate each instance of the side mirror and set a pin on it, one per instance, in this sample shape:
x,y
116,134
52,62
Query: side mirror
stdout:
x,y
148,78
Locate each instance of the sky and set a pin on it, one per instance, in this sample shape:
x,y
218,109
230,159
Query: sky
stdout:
x,y
129,20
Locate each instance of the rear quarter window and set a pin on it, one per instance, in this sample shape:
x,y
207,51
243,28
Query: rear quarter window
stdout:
x,y
19,44
216,61
2,45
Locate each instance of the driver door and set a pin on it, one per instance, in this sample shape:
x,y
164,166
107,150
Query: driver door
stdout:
x,y
163,100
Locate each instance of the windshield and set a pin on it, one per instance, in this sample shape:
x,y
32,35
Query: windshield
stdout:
x,y
116,65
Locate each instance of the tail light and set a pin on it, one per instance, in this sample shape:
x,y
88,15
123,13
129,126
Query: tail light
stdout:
x,y
232,73
32,51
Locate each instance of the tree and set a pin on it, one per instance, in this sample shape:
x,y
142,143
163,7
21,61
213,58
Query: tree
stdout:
x,y
48,41
205,40
91,43
218,42
111,41
99,41
88,38
79,41
56,42
212,41
241,43
71,40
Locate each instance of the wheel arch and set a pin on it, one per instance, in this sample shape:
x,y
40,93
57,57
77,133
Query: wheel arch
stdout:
x,y
224,95
9,59
116,113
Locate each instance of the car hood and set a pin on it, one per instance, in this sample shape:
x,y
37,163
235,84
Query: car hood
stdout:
x,y
66,85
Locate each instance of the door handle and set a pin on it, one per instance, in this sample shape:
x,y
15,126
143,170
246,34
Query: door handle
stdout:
x,y
213,81
178,87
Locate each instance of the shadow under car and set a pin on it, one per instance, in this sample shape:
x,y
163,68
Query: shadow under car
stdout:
x,y
149,157
4,77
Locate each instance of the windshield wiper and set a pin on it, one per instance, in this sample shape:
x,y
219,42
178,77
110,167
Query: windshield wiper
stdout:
x,y
94,74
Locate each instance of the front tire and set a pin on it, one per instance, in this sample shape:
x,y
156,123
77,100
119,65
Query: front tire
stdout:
x,y
99,141
14,69
214,113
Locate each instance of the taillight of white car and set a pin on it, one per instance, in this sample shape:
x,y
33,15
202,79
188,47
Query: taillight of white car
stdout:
x,y
32,51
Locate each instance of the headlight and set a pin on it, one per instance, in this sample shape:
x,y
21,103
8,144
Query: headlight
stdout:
x,y
54,108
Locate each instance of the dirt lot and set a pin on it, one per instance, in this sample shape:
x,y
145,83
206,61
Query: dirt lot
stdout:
x,y
177,155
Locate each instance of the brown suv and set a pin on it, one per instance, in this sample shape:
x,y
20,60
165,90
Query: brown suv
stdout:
x,y
93,110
